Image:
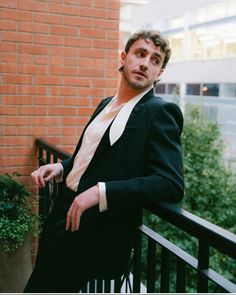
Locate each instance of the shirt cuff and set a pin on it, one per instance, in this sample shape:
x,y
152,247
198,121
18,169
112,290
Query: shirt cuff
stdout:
x,y
102,197
59,178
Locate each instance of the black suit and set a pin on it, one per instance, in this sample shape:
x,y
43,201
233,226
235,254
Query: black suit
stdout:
x,y
143,166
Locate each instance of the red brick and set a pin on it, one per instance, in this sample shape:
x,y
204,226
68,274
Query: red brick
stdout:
x,y
93,53
32,69
93,13
110,44
41,60
8,89
62,30
77,21
25,59
7,47
76,101
61,111
9,58
114,4
33,49
25,130
15,15
104,83
78,42
8,4
104,24
32,5
8,68
17,37
9,130
17,100
48,40
33,28
64,9
16,121
48,80
7,151
15,141
31,111
56,60
63,90
92,33
77,81
7,25
64,71
17,79
8,110
48,18
92,72
28,90
47,100
85,111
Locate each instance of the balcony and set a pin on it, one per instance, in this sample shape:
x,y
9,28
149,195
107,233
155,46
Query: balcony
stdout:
x,y
173,262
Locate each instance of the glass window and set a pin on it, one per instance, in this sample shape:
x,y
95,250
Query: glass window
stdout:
x,y
172,88
193,89
160,88
210,89
228,90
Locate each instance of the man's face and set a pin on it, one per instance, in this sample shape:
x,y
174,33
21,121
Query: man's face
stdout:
x,y
142,64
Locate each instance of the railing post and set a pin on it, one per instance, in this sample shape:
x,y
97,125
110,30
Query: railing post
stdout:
x,y
181,276
137,263
151,267
165,270
203,263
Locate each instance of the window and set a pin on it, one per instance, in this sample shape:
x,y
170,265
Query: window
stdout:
x,y
210,89
160,88
172,88
228,90
193,89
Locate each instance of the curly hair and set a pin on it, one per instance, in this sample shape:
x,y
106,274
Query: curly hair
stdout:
x,y
156,38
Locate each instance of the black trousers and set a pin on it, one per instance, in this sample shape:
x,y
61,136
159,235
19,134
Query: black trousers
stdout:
x,y
54,283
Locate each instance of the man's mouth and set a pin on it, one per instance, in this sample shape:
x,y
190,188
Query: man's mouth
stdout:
x,y
140,73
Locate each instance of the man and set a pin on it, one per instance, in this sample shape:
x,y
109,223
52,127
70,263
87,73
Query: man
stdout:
x,y
128,155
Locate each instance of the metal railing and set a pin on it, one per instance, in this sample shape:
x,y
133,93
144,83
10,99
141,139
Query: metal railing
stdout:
x,y
172,262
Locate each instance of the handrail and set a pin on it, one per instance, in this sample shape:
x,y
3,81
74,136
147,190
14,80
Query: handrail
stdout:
x,y
221,239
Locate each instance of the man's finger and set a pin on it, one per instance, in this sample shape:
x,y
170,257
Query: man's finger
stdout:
x,y
68,218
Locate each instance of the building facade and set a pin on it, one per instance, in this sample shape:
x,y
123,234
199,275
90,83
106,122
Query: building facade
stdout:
x,y
202,68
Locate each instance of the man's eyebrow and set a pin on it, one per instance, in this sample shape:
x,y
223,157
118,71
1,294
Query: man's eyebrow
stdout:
x,y
156,54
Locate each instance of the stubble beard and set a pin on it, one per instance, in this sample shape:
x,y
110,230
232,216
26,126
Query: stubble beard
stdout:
x,y
136,85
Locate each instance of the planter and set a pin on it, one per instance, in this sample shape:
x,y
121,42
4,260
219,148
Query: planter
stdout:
x,y
15,269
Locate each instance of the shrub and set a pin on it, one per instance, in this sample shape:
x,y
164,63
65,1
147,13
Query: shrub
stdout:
x,y
16,216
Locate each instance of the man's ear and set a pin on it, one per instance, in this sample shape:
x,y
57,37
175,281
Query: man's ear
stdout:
x,y
123,58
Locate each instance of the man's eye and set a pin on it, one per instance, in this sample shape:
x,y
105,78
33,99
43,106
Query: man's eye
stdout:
x,y
156,61
140,54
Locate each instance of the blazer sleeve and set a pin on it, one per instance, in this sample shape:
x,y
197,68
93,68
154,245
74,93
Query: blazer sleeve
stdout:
x,y
163,180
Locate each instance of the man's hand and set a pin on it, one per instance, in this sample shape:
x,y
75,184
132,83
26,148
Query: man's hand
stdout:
x,y
82,202
45,173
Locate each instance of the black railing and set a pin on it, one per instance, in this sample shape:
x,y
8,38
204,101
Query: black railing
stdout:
x,y
169,258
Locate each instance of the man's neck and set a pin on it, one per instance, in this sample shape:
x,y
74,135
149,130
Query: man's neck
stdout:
x,y
126,93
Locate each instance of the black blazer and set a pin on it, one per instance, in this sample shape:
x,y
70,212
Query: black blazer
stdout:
x,y
143,166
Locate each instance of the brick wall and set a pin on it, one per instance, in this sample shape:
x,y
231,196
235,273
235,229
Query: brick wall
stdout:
x,y
58,59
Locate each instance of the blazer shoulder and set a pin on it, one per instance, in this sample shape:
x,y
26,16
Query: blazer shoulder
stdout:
x,y
160,107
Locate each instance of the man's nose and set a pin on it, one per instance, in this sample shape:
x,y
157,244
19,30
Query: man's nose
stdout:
x,y
144,64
